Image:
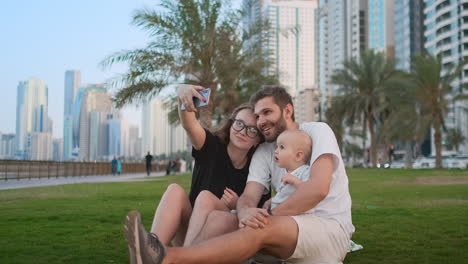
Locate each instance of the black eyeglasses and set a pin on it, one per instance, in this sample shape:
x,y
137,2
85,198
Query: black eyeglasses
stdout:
x,y
239,125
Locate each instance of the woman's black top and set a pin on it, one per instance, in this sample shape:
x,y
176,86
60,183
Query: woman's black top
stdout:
x,y
213,170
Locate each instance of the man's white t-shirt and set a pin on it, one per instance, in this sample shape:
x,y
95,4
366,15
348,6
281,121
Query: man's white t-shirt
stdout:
x,y
337,204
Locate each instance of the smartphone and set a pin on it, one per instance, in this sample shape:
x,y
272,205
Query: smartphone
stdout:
x,y
199,103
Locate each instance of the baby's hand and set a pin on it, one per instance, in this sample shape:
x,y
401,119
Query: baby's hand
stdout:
x,y
267,204
289,179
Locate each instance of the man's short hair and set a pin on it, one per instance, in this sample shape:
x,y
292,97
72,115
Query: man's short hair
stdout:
x,y
280,96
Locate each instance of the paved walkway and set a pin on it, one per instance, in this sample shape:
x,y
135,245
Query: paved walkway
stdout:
x,y
35,182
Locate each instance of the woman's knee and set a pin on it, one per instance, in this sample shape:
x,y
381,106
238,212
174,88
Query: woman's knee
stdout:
x,y
221,222
218,216
175,191
206,199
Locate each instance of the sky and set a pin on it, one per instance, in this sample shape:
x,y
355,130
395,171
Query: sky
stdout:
x,y
45,38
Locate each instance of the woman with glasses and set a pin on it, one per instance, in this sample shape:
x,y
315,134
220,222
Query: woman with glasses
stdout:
x,y
219,176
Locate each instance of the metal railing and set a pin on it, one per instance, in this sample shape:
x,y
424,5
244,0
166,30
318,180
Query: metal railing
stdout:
x,y
21,169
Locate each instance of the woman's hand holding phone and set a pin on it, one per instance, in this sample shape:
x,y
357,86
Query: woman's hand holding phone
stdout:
x,y
192,96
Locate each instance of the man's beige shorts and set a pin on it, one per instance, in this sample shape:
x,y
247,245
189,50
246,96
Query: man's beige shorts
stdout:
x,y
319,241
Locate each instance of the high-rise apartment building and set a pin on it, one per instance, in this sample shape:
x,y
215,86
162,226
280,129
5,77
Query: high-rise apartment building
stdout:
x,y
342,35
446,34
96,104
307,106
382,26
72,84
134,140
357,28
31,114
158,136
57,149
76,122
7,146
41,146
409,31
118,135
289,41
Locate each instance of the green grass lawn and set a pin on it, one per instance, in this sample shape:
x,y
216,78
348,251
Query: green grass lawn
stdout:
x,y
401,216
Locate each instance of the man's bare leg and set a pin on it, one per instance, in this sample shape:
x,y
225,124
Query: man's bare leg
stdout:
x,y
218,223
205,203
278,238
172,216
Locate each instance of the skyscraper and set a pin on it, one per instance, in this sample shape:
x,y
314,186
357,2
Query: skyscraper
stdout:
x,y
382,26
41,146
332,48
409,31
290,39
7,146
357,28
57,149
134,142
72,84
446,34
158,136
96,104
342,35
31,114
118,135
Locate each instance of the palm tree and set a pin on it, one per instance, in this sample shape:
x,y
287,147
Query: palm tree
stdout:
x,y
433,83
362,83
454,138
335,114
198,40
403,122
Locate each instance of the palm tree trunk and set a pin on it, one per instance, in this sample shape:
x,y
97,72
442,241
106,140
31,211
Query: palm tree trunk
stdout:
x,y
408,154
438,146
373,145
206,113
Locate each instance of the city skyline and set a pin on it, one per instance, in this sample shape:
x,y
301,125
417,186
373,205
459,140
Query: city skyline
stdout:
x,y
45,39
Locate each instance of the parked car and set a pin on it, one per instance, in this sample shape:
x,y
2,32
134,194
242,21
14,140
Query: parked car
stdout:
x,y
459,162
424,163
429,162
399,164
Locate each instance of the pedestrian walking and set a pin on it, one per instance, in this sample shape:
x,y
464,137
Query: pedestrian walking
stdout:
x,y
114,165
148,159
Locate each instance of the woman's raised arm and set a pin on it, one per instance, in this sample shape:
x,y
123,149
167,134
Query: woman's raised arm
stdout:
x,y
188,119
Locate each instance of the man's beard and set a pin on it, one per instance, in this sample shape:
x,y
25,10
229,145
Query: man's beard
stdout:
x,y
279,127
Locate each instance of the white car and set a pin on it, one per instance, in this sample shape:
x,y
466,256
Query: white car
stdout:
x,y
399,164
460,162
429,162
424,163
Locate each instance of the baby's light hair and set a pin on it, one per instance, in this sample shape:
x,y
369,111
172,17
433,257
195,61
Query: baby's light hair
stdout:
x,y
302,142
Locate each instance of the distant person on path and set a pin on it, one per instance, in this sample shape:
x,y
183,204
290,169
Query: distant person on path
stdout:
x,y
222,160
169,167
119,166
148,159
114,165
391,153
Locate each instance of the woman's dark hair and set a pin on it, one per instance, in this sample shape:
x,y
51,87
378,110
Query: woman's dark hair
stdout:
x,y
223,133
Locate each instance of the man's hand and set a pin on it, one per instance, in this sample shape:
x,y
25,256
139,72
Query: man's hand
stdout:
x,y
186,92
230,198
253,217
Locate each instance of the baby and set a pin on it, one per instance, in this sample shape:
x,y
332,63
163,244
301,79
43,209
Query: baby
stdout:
x,y
293,151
